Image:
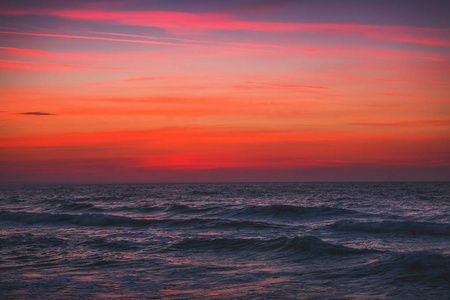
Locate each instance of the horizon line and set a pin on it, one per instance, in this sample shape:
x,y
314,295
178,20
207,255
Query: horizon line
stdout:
x,y
219,182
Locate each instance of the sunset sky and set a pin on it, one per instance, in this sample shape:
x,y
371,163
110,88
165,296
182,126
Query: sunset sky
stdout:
x,y
238,90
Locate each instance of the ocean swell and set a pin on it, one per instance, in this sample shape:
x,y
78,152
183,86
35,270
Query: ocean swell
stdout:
x,y
308,244
98,219
281,211
86,219
416,266
405,227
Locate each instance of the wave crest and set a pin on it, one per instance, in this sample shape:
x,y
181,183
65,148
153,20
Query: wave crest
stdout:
x,y
307,244
417,266
282,211
98,219
406,227
86,219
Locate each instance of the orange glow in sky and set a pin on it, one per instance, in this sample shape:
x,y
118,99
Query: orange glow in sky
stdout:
x,y
164,91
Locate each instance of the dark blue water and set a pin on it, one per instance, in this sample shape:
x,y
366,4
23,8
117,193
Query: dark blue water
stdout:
x,y
226,241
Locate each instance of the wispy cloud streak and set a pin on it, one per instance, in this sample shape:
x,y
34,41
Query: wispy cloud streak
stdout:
x,y
395,80
183,21
406,95
213,42
88,38
37,113
45,65
267,85
414,123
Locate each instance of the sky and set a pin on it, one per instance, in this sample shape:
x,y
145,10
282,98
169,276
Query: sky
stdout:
x,y
224,91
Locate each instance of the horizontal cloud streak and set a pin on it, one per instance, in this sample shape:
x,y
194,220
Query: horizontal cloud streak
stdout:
x,y
87,38
52,66
394,80
37,113
218,45
183,21
414,123
215,42
28,51
263,85
406,95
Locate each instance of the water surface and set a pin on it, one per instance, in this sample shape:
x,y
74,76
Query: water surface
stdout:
x,y
222,241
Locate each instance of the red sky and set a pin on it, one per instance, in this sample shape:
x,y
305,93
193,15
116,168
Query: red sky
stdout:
x,y
186,91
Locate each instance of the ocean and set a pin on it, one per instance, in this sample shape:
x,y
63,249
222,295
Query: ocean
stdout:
x,y
226,241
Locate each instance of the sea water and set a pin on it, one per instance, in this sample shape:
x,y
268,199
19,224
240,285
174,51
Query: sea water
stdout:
x,y
226,241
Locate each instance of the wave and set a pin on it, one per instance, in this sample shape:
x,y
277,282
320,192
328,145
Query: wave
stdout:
x,y
103,243
213,223
406,227
417,266
87,219
100,198
97,219
301,245
30,240
276,211
180,208
72,206
174,208
204,193
280,211
140,209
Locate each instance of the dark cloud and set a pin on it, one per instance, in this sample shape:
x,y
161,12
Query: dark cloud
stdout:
x,y
37,113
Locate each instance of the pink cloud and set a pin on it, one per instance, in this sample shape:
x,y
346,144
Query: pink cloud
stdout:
x,y
293,85
104,56
47,66
395,80
406,95
251,85
217,45
184,22
213,42
76,56
88,38
414,123
27,51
